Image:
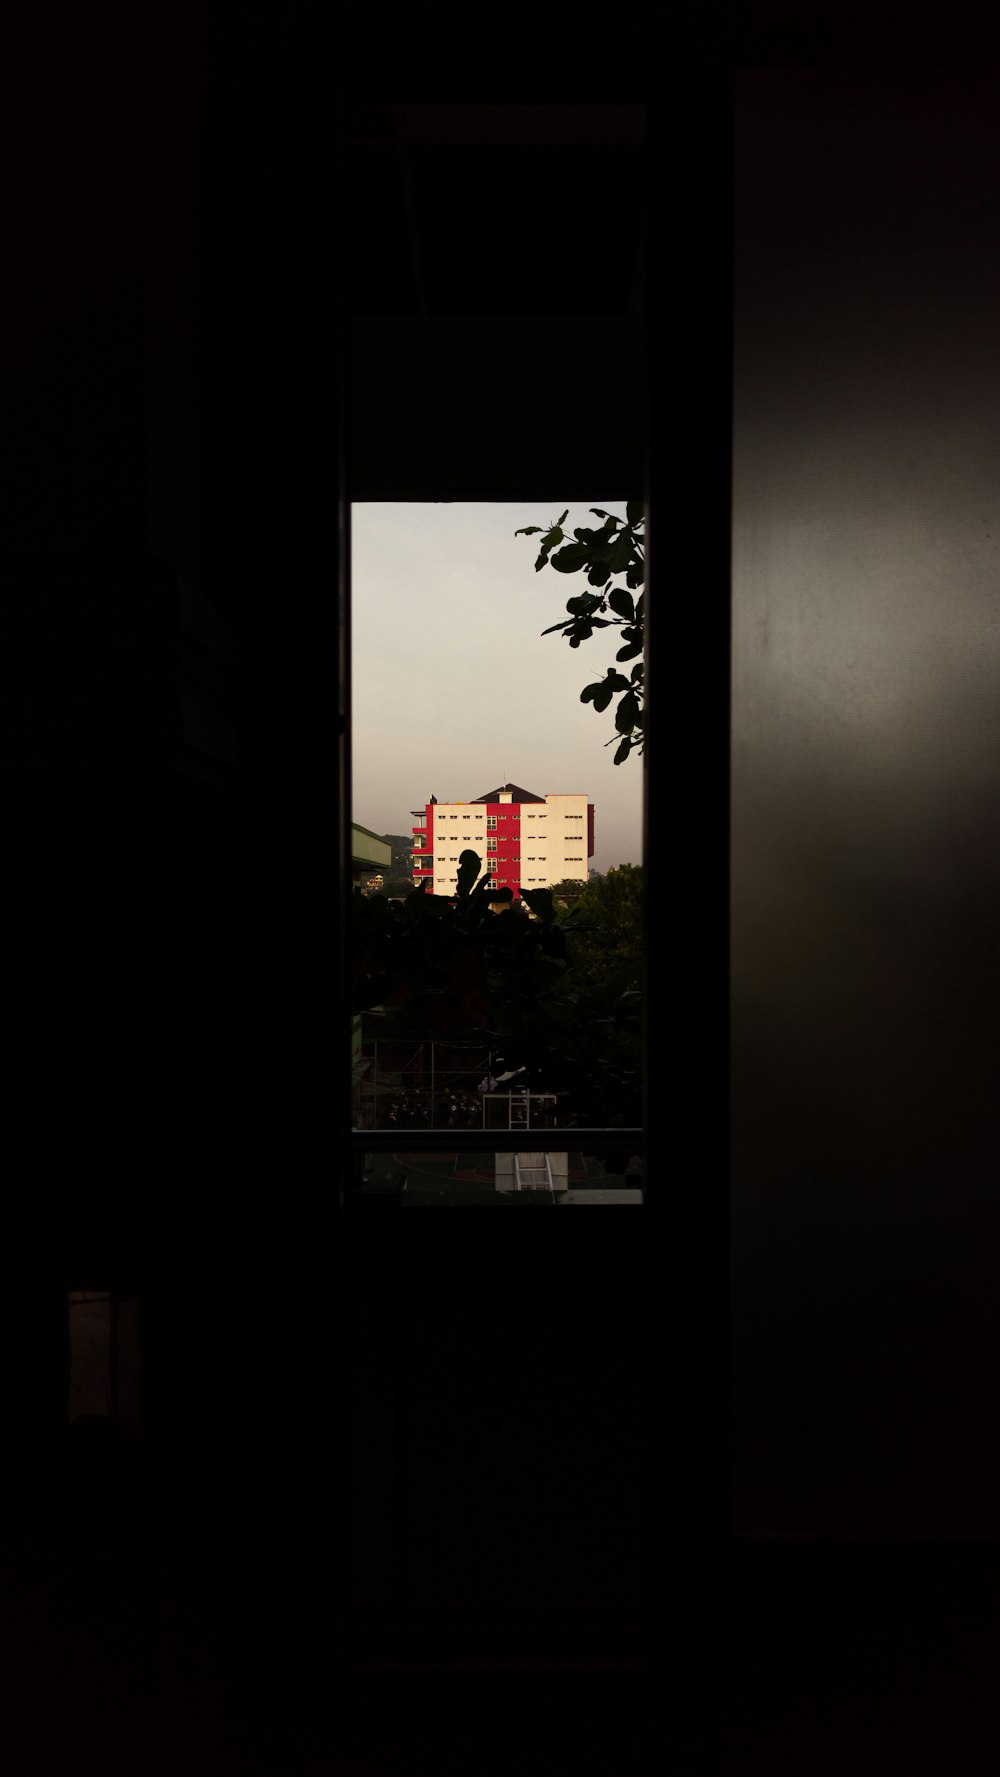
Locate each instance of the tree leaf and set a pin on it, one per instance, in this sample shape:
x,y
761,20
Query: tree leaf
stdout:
x,y
564,517
621,601
584,604
635,574
540,901
626,713
620,555
527,530
629,652
599,574
586,696
603,697
555,626
549,542
635,511
468,870
622,751
571,558
415,900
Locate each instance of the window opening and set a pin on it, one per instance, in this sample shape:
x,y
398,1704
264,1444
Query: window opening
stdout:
x,y
391,665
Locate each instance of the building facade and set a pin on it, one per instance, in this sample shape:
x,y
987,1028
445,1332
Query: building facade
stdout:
x,y
369,852
523,840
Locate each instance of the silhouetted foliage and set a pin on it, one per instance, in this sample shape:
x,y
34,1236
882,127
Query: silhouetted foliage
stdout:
x,y
401,864
568,891
395,888
451,968
616,548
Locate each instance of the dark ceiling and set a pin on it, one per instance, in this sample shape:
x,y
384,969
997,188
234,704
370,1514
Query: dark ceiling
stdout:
x,y
496,210
496,273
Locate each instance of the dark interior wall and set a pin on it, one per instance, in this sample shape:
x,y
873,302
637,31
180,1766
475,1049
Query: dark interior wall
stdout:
x,y
521,1443
269,194
170,302
497,407
74,464
866,792
178,402
497,1389
76,543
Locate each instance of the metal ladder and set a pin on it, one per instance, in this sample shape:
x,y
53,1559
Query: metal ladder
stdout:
x,y
532,1172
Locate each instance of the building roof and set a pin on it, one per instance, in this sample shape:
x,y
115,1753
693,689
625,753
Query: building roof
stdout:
x,y
369,850
513,790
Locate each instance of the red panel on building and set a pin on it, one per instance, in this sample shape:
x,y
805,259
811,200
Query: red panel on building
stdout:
x,y
423,856
590,829
507,857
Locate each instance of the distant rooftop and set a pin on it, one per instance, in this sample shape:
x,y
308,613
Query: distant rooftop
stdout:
x,y
356,828
513,790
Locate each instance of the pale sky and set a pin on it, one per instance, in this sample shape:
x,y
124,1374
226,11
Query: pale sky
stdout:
x,y
456,690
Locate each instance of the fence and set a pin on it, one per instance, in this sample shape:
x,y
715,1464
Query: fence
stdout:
x,y
431,1085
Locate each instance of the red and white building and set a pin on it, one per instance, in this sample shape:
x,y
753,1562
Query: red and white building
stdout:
x,y
524,840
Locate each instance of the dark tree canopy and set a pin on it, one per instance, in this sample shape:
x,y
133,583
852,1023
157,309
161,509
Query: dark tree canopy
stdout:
x,y
448,968
606,931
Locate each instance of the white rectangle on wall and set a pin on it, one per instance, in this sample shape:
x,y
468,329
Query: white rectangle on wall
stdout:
x,y
505,1169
